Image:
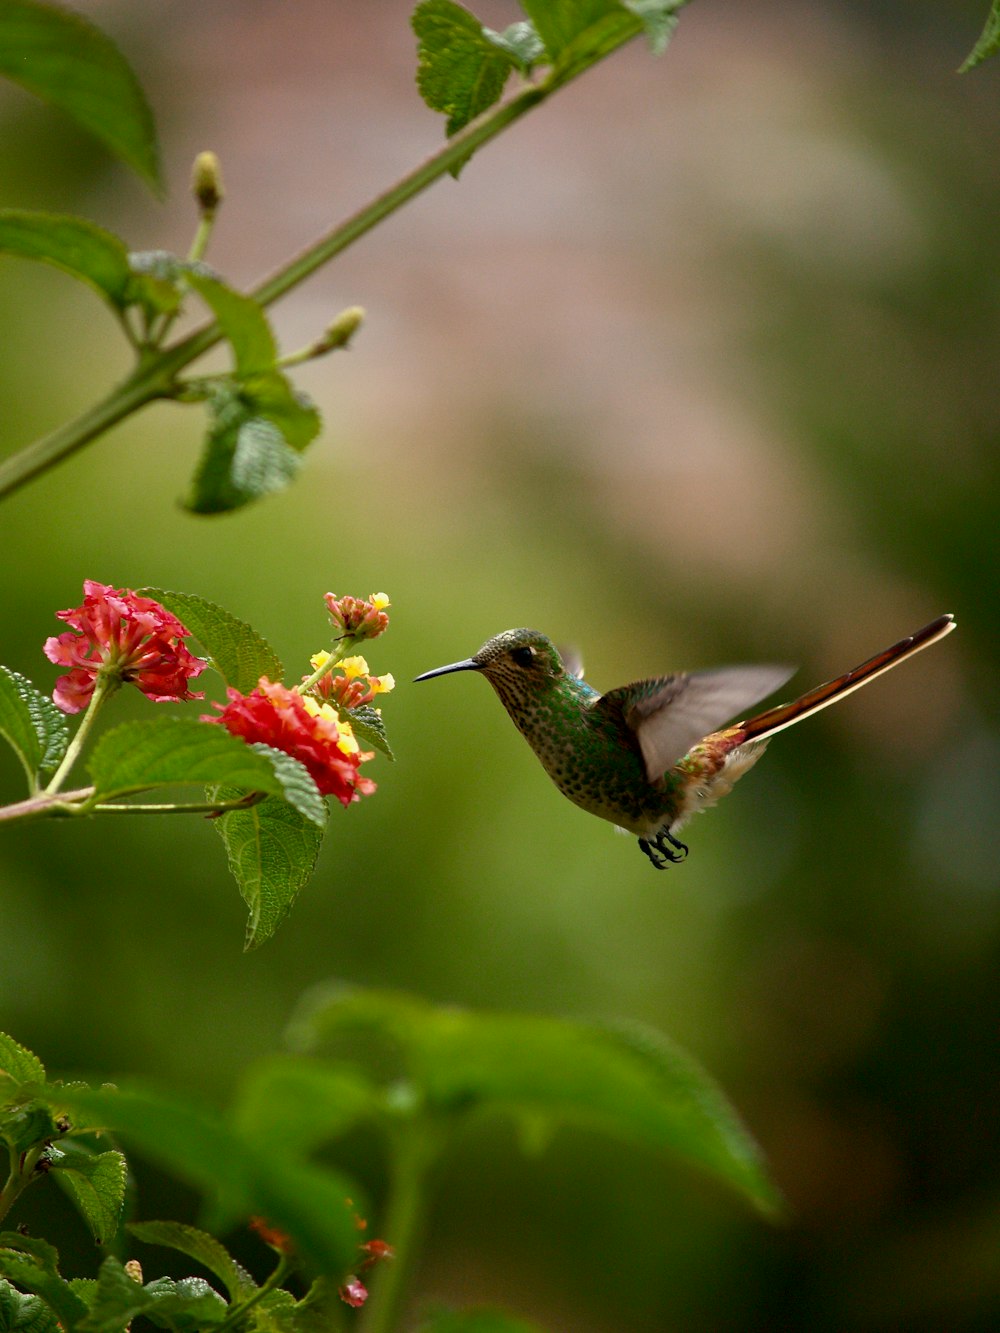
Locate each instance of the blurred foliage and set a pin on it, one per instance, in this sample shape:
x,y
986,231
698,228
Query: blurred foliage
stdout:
x,y
820,249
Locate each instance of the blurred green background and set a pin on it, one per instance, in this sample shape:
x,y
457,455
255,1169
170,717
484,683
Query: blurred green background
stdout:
x,y
696,365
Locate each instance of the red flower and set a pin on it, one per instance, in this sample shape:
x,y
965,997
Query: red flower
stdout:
x,y
309,731
270,1235
124,636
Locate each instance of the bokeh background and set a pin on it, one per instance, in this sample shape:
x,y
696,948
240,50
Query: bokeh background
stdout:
x,y
696,365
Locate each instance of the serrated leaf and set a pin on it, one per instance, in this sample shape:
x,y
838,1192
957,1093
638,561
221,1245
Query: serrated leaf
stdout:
x,y
24,1314
78,247
245,457
241,319
32,724
203,1248
61,57
33,1265
297,785
567,1073
989,40
368,727
96,1183
238,1177
272,851
239,654
274,398
18,1064
461,71
186,1305
297,1104
177,752
26,1124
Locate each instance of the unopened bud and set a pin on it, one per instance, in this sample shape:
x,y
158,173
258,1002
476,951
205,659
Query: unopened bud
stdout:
x,y
206,182
343,329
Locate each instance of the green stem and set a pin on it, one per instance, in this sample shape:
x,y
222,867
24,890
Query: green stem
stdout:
x,y
416,1149
155,377
104,686
238,1312
191,808
22,1173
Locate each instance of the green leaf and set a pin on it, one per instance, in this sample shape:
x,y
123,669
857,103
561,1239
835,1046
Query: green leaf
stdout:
x,y
80,248
244,458
273,398
299,1104
297,785
33,1265
203,1248
521,42
96,1183
989,40
187,1305
156,282
272,852
239,1177
177,752
461,70
32,724
18,1063
24,1314
634,1086
239,654
368,727
61,57
658,18
482,1319
241,319
559,23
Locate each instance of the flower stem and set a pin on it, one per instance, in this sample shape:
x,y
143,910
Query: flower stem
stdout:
x,y
104,686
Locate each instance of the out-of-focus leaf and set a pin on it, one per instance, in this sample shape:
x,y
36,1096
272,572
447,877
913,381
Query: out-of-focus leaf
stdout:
x,y
635,1085
63,58
521,42
202,1247
274,398
96,1183
989,40
298,1104
239,654
461,70
157,281
272,852
18,1064
80,248
241,319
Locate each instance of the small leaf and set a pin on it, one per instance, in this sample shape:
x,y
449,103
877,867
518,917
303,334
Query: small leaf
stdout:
x,y
658,18
989,40
245,456
368,727
272,852
177,752
241,319
80,248
32,1264
461,69
562,22
521,42
96,1183
61,57
24,1314
156,281
18,1064
239,654
203,1248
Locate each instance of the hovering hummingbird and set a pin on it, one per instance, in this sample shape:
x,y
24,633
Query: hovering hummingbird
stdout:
x,y
649,755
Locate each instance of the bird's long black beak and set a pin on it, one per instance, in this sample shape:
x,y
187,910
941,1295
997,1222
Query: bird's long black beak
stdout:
x,y
470,664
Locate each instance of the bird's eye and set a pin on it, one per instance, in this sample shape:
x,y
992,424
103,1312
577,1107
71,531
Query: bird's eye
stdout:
x,y
524,657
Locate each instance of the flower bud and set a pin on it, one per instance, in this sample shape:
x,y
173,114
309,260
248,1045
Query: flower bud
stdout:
x,y
206,182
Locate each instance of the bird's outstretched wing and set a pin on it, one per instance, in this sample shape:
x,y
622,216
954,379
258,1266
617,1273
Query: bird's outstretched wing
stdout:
x,y
671,713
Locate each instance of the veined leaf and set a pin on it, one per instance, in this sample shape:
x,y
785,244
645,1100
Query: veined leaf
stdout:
x,y
33,1264
32,724
18,1064
96,1183
177,752
272,851
187,1305
634,1086
461,70
80,248
368,727
63,58
203,1248
24,1314
239,654
989,40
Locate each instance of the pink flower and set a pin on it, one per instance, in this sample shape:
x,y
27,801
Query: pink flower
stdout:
x,y
353,1292
357,618
122,636
309,731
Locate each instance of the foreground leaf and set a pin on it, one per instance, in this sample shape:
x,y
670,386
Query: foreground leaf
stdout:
x,y
635,1085
18,1064
239,654
80,248
989,40
272,851
24,1314
61,57
203,1248
32,724
461,70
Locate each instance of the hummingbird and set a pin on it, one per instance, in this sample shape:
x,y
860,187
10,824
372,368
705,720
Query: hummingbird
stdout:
x,y
649,755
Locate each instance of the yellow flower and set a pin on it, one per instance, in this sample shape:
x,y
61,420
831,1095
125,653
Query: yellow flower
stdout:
x,y
353,667
382,684
379,600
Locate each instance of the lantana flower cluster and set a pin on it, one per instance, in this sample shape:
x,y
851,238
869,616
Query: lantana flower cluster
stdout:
x,y
358,619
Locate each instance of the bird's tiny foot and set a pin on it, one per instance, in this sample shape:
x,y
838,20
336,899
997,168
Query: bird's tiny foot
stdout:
x,y
660,854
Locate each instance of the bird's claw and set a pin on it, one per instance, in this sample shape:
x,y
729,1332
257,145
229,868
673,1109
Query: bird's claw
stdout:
x,y
660,854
